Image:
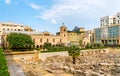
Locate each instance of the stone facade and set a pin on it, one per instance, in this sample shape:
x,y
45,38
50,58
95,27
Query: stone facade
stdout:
x,y
53,39
41,38
81,38
74,38
88,37
64,37
12,27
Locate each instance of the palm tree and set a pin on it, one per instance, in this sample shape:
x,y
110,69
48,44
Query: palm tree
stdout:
x,y
74,51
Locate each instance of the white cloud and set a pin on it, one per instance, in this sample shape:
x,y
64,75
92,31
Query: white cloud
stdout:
x,y
53,21
34,6
89,10
63,8
7,1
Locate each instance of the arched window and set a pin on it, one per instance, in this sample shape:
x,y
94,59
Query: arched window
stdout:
x,y
41,46
37,46
64,30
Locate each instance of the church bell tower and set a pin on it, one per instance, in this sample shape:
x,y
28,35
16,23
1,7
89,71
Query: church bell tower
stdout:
x,y
63,33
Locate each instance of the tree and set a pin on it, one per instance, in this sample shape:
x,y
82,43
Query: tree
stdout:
x,y
19,41
47,45
76,29
58,33
74,51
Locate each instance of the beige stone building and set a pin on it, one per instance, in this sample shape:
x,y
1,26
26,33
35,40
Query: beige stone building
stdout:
x,y
9,26
80,39
12,27
64,37
74,38
44,37
38,37
88,37
81,29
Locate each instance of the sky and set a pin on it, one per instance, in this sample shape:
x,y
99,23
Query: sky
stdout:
x,y
48,15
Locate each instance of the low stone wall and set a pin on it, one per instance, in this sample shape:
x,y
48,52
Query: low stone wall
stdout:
x,y
30,54
19,55
94,51
43,56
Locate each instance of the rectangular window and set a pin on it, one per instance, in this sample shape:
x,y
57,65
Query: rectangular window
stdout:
x,y
33,40
47,40
53,40
60,40
40,40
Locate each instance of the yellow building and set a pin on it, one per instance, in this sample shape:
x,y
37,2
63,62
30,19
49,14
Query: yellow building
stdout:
x,y
50,38
40,37
64,37
81,29
80,39
74,38
88,37
12,27
9,26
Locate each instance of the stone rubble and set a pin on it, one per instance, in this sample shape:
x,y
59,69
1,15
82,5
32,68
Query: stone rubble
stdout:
x,y
89,63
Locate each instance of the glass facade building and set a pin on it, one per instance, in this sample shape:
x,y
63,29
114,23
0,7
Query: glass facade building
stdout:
x,y
110,37
97,35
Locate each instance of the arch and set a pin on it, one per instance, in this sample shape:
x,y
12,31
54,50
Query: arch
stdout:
x,y
37,46
41,46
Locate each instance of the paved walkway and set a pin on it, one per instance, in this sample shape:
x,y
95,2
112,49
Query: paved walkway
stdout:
x,y
15,69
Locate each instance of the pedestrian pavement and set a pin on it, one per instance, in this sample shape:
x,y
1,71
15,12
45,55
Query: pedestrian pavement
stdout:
x,y
15,69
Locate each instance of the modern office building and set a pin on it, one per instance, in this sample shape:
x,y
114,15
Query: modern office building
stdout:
x,y
107,21
109,32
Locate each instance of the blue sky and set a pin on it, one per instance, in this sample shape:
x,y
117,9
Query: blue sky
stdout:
x,y
48,15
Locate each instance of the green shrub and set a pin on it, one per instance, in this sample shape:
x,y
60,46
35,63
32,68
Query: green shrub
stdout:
x,y
3,66
56,49
74,52
94,45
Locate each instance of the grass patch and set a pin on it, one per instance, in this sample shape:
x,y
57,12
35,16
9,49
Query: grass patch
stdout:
x,y
3,66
